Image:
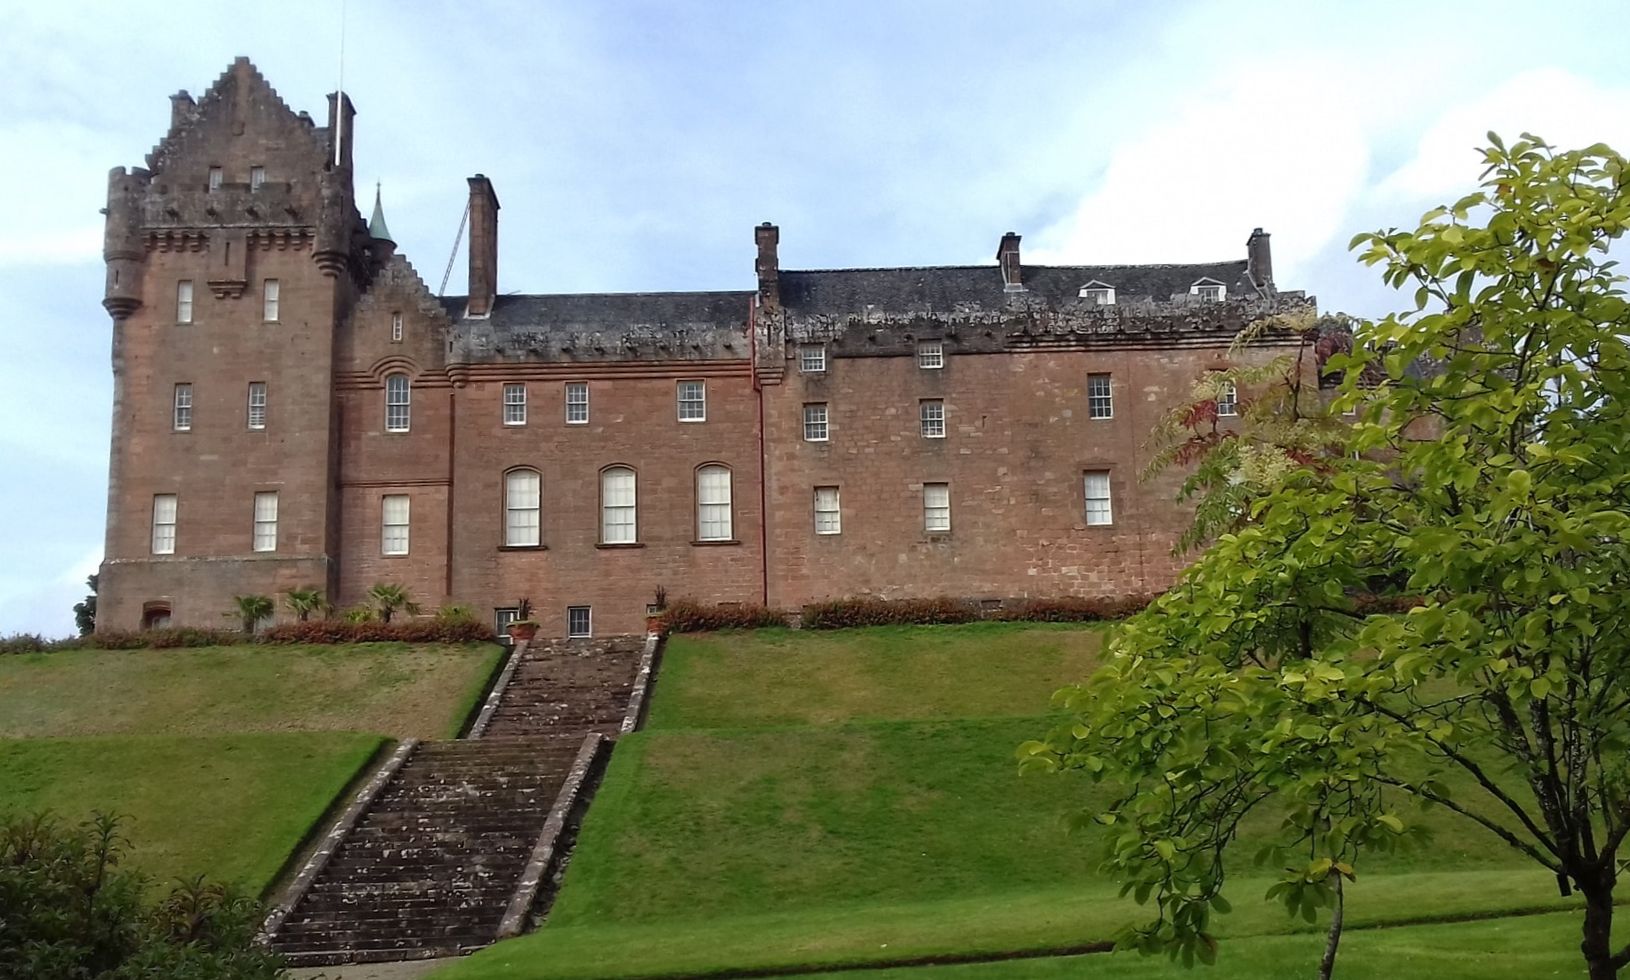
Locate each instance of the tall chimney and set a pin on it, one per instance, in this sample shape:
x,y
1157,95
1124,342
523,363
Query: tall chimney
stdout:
x,y
483,246
768,238
1007,254
181,108
1259,259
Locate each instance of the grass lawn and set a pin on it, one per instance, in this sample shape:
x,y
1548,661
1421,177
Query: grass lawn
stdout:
x,y
233,807
1524,948
388,688
827,799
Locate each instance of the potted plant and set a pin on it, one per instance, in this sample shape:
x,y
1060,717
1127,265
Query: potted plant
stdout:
x,y
654,612
524,627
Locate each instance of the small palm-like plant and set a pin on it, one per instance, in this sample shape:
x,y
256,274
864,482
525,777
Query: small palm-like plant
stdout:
x,y
304,602
387,599
251,609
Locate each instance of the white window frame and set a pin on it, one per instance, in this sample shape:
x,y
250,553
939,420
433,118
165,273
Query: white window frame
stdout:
x,y
501,618
166,506
398,403
828,510
817,422
1100,401
515,404
811,358
692,401
715,520
1228,401
1208,291
256,415
937,508
572,633
271,291
574,389
931,355
257,178
396,328
263,536
931,418
216,177
523,508
1098,294
1098,508
181,408
619,521
183,301
395,531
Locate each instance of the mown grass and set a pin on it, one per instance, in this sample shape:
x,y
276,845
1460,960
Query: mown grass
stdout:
x,y
830,799
387,688
233,807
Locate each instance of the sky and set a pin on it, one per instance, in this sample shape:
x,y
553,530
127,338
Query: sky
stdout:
x,y
634,145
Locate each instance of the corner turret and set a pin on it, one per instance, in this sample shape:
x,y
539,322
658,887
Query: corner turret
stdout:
x,y
121,241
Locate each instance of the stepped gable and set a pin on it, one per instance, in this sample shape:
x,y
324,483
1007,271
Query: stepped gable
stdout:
x,y
398,284
604,326
569,686
431,867
240,92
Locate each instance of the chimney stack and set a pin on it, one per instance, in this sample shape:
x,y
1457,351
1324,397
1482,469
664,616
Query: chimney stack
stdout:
x,y
1007,254
483,246
768,238
181,108
1259,259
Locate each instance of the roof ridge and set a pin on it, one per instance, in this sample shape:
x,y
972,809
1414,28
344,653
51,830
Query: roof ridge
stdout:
x,y
993,267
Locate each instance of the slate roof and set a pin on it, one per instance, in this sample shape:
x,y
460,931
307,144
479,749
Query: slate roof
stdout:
x,y
595,312
833,291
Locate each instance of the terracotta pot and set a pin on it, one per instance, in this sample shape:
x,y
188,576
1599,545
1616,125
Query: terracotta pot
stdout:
x,y
523,631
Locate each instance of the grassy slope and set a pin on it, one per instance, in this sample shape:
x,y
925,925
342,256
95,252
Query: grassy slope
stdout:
x,y
392,689
781,838
230,806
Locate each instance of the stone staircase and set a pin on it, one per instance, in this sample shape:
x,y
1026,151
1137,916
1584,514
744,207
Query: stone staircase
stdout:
x,y
445,849
570,687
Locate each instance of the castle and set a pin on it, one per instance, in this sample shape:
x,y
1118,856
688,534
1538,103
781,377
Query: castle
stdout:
x,y
294,408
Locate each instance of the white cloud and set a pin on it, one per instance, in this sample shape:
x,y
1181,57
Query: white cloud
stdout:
x,y
1192,186
1556,105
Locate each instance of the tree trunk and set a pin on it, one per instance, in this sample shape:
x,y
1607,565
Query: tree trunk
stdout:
x,y
1597,944
1327,966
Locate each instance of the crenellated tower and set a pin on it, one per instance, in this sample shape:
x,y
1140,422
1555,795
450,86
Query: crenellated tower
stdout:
x,y
233,259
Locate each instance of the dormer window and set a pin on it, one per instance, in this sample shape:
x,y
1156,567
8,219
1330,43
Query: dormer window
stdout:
x,y
1098,293
257,177
1208,290
214,178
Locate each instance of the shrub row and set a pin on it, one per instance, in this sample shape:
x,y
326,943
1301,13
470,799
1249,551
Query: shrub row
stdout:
x,y
437,630
687,616
1074,609
863,611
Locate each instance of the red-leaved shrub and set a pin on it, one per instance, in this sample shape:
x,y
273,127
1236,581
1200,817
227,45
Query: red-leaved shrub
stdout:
x,y
1072,609
438,630
865,611
689,616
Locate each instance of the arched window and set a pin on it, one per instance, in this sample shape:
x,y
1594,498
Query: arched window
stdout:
x,y
523,498
713,503
398,403
619,518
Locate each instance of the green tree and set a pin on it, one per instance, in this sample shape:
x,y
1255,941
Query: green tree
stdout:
x,y
73,911
1487,476
85,612
304,602
388,599
251,610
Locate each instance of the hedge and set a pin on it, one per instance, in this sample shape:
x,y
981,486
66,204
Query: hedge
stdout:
x,y
313,632
689,616
844,613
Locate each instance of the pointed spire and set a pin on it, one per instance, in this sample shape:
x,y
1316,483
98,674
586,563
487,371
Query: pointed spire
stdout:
x,y
376,224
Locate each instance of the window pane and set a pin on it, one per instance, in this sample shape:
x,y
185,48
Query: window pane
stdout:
x,y
398,402
523,496
183,408
931,354
257,404
270,311
577,401
578,621
936,506
396,327
265,531
1097,496
812,358
1100,397
815,423
618,506
164,515
394,536
1228,399
514,404
183,301
932,416
828,512
713,503
692,401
